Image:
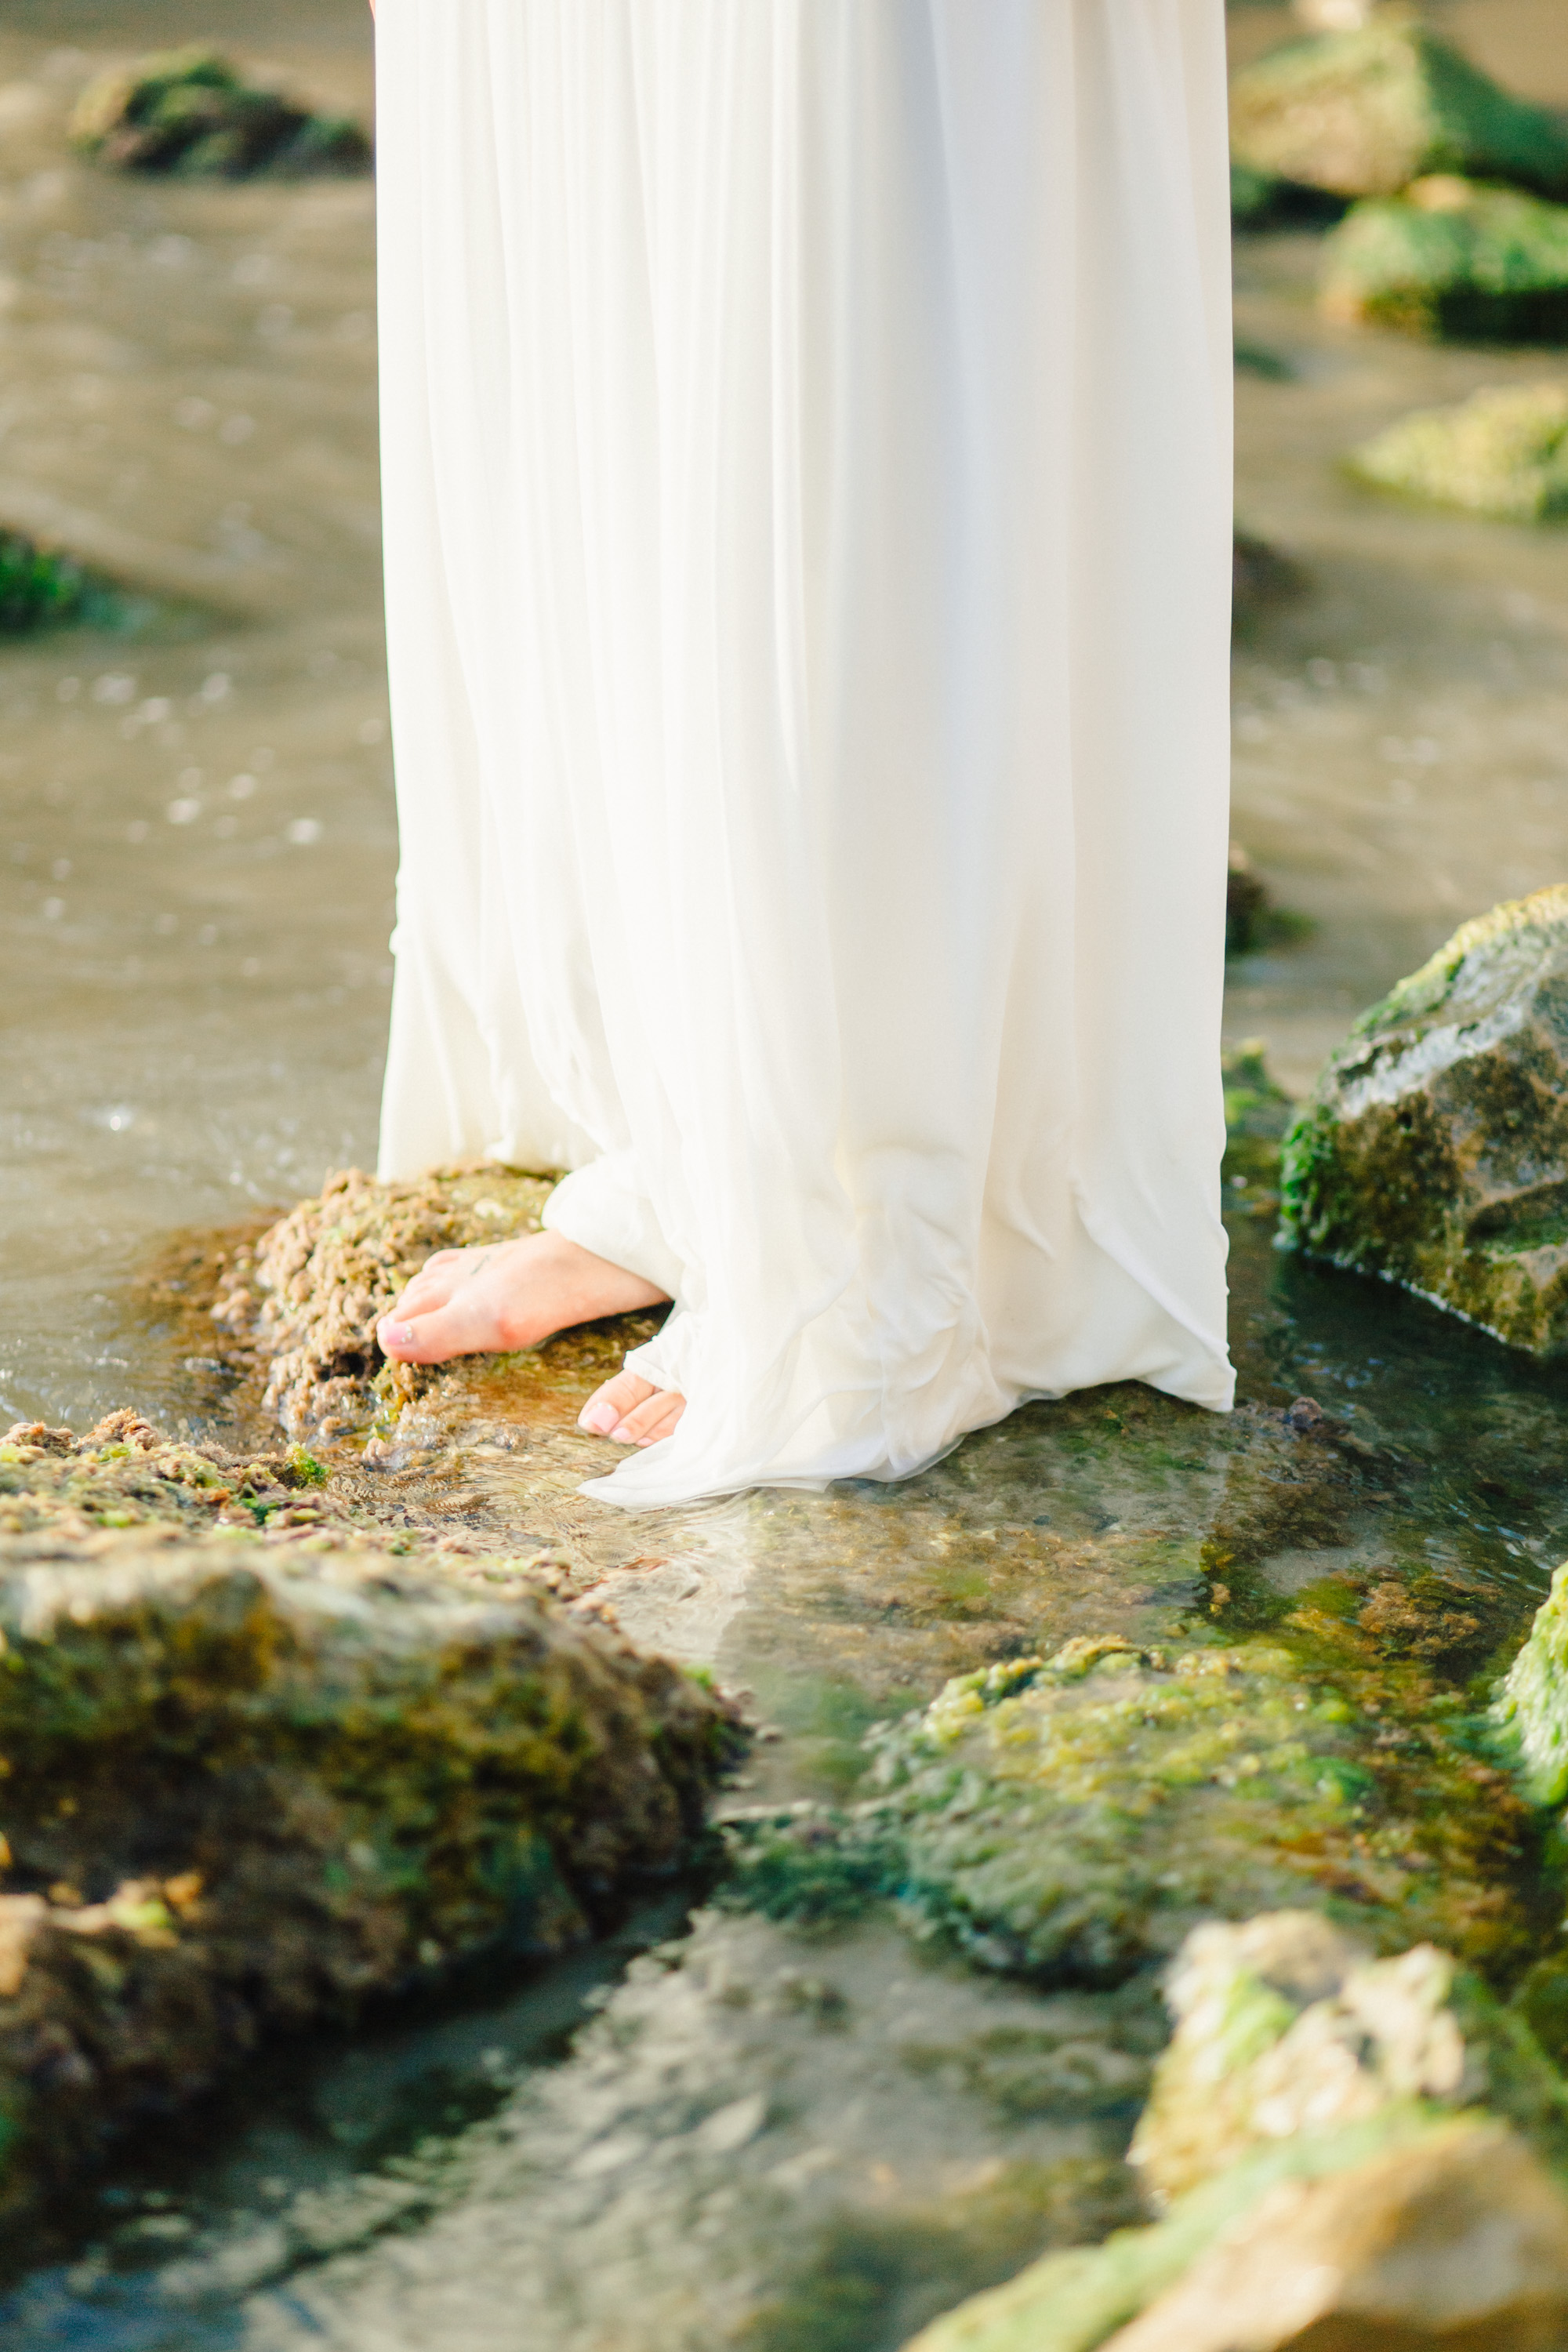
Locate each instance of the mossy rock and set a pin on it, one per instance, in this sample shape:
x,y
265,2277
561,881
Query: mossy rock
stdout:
x,y
1298,2060
1450,257
189,111
1284,2025
256,1775
1503,452
1531,1711
1073,1820
1434,1150
1392,2233
1363,113
42,588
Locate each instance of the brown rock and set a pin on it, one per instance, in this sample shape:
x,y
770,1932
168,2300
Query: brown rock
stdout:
x,y
1460,2241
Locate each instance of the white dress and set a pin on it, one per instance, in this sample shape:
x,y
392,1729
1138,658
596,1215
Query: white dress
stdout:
x,y
807,486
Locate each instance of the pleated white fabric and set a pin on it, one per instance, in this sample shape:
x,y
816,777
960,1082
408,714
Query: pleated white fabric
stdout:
x,y
807,479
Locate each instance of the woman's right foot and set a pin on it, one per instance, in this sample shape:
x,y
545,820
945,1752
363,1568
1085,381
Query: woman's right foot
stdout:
x,y
511,1294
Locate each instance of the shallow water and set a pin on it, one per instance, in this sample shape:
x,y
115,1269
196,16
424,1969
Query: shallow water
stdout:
x,y
763,2138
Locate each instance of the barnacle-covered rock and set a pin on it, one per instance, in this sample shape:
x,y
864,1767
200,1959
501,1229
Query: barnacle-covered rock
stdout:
x,y
1503,452
1452,257
188,110
1434,1150
1363,113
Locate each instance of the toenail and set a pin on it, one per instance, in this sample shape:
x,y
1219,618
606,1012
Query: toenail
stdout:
x,y
599,1420
400,1334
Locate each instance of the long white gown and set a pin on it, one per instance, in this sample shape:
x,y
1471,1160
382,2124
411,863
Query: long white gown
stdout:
x,y
808,487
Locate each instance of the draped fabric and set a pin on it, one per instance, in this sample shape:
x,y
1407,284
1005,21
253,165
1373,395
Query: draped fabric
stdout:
x,y
807,477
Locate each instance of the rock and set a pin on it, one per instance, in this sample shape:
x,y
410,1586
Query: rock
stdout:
x,y
1246,902
1257,1112
1351,2145
1434,1150
187,111
1448,257
1502,452
1363,113
1074,1820
1461,2239
1260,576
1075,2301
1285,2025
1531,1711
309,1295
793,2144
43,588
248,1783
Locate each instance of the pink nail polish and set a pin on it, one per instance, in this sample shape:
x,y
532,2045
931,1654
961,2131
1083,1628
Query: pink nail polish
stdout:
x,y
598,1419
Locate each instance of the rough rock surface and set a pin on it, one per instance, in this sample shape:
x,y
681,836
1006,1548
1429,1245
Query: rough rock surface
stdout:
x,y
1286,2025
1460,2239
1073,1820
1532,1712
1501,452
187,111
1434,1150
1352,2145
1364,112
257,1769
309,1295
1449,258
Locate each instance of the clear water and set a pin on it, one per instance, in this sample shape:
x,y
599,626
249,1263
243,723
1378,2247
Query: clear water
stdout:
x,y
195,880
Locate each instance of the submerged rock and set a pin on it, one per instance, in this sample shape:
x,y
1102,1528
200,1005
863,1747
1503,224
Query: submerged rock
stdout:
x,y
1073,1820
1449,258
1354,2147
1503,452
254,1774
1260,576
187,111
763,2140
41,588
1365,111
1434,1150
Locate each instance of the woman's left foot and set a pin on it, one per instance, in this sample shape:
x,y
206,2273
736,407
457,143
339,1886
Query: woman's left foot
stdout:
x,y
631,1410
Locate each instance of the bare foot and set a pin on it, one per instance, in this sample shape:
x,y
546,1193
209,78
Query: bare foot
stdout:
x,y
485,1301
631,1410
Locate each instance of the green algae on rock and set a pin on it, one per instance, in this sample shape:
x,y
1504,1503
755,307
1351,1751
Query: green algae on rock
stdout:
x,y
44,588
1426,2111
1364,112
1073,1820
249,1782
1449,258
1434,1150
1503,452
1531,1711
188,111
310,1294
1286,2025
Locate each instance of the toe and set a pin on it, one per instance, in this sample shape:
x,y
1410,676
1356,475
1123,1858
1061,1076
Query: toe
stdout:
x,y
651,1420
609,1405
